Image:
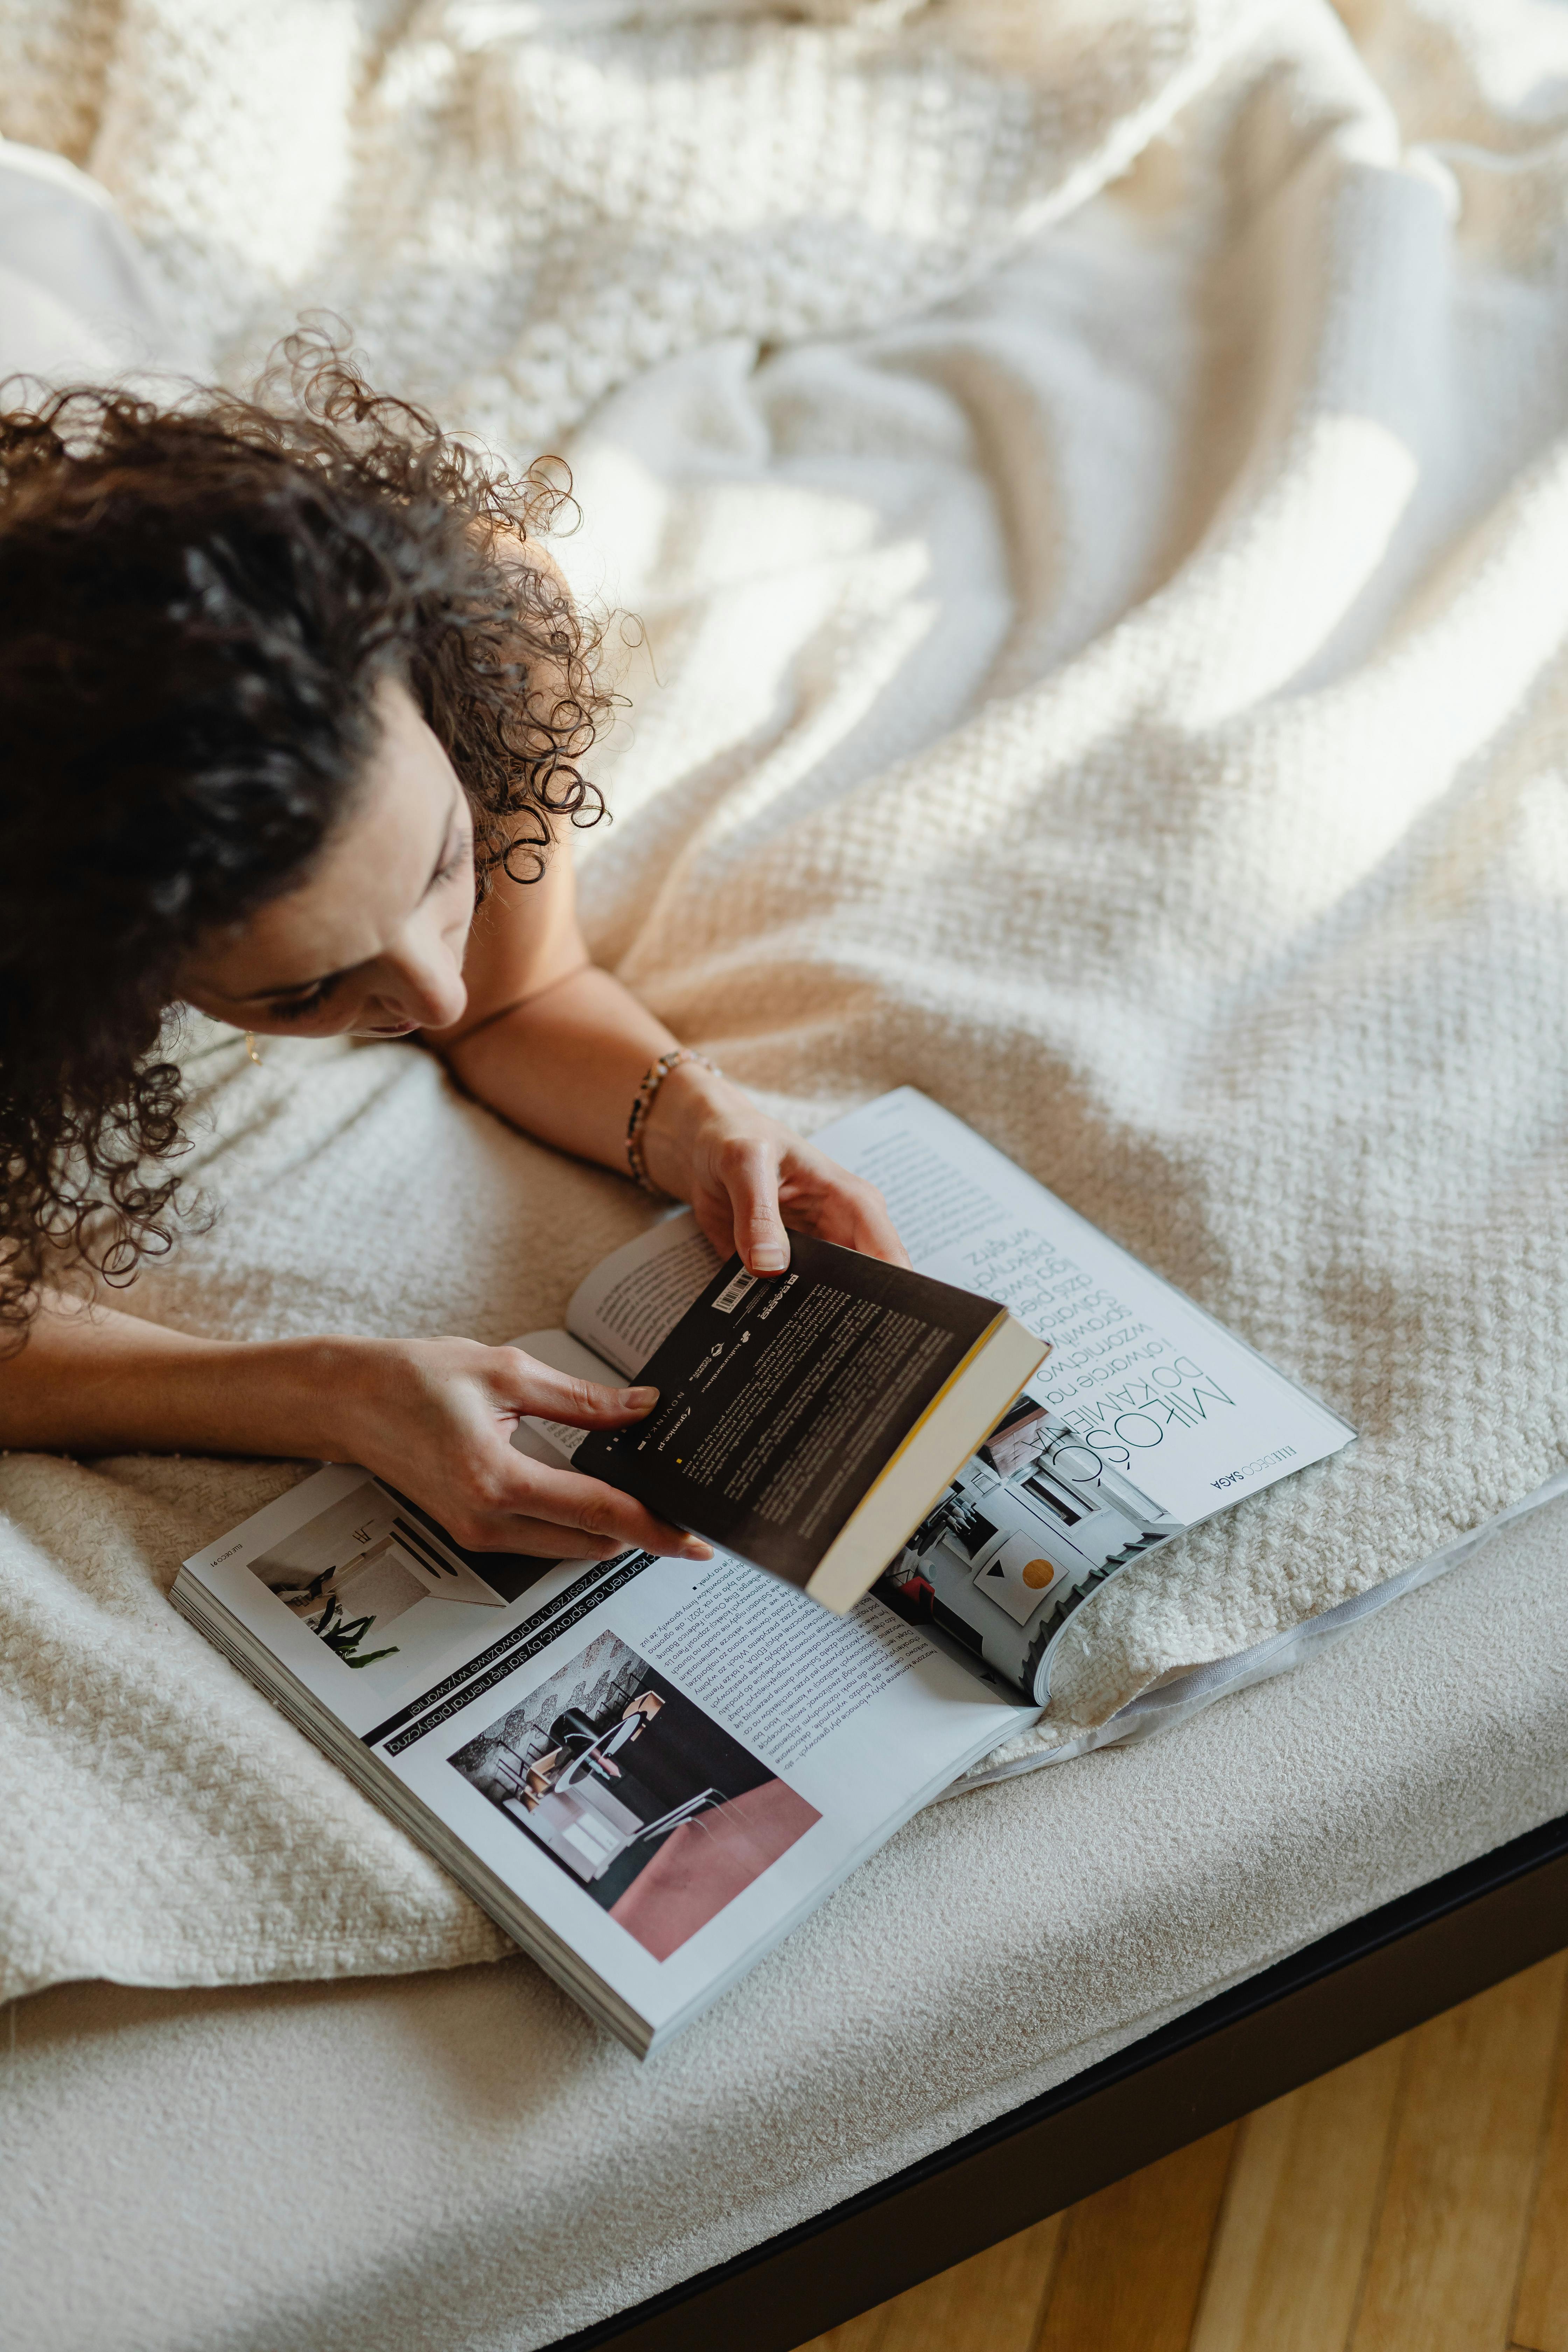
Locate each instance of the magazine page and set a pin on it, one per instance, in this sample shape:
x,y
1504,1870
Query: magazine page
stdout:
x,y
665,1763
1147,1417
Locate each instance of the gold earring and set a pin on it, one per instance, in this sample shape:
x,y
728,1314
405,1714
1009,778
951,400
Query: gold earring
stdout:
x,y
250,1049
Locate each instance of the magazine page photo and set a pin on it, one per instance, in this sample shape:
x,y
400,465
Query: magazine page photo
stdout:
x,y
642,1799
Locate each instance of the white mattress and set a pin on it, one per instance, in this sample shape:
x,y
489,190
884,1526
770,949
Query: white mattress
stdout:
x,y
459,2161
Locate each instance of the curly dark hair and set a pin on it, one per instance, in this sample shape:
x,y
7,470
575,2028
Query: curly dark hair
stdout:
x,y
197,603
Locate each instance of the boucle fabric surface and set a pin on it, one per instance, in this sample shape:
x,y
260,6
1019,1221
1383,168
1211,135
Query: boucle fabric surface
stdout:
x,y
1093,483
459,2163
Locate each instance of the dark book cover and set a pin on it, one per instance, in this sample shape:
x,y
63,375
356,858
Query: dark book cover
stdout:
x,y
783,1397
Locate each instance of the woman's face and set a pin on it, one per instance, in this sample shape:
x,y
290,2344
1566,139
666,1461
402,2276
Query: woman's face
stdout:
x,y
372,943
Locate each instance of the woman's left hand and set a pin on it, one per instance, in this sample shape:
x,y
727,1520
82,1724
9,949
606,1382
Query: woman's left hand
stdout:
x,y
748,1178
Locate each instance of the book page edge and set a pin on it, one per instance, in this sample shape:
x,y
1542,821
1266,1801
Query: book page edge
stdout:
x,y
1007,1347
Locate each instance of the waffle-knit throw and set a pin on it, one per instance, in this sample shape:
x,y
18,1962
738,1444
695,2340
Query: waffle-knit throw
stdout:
x,y
1093,479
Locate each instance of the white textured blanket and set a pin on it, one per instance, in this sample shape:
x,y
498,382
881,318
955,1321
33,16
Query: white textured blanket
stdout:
x,y
1092,477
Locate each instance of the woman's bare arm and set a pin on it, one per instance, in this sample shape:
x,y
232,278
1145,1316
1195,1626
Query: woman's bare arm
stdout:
x,y
548,1038
559,1047
436,1416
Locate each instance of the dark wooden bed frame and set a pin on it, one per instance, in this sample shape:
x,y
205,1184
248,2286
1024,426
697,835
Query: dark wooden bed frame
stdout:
x,y
1375,1978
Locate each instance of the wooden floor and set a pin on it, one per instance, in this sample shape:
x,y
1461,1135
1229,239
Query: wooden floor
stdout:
x,y
1415,2201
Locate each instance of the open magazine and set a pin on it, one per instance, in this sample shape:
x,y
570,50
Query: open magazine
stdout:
x,y
1146,1416
647,1769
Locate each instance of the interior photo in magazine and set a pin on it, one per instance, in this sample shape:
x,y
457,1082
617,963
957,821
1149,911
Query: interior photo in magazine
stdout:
x,y
1031,1526
364,1565
651,1806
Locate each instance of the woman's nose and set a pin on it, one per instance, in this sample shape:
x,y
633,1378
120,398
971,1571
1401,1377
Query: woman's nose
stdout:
x,y
425,982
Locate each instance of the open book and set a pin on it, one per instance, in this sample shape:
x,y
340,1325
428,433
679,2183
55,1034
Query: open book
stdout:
x,y
648,1771
809,1423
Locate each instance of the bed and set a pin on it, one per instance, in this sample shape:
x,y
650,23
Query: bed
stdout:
x,y
1031,1991
1093,488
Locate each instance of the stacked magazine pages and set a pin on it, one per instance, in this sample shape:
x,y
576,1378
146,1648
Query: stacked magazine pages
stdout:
x,y
646,1770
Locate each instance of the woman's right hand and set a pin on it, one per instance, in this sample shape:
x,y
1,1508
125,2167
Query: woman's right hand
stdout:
x,y
435,1418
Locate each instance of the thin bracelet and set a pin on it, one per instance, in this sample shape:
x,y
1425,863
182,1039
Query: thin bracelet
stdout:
x,y
646,1093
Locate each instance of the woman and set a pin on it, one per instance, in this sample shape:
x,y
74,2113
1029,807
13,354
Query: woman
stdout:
x,y
292,713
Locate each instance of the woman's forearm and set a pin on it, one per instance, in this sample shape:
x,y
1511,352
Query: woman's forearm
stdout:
x,y
567,1064
435,1416
96,1381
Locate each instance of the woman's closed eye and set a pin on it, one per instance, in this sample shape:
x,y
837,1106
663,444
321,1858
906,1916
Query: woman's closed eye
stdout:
x,y
295,1008
448,867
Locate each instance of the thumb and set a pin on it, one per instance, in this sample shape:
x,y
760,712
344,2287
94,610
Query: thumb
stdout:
x,y
752,1181
540,1388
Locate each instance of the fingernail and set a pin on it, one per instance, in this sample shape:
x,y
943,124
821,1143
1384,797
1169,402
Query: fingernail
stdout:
x,y
768,1258
695,1548
641,1398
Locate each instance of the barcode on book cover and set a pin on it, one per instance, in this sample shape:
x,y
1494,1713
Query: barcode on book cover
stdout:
x,y
730,1298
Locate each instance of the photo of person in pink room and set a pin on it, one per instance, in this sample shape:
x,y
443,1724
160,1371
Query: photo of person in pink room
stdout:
x,y
653,1807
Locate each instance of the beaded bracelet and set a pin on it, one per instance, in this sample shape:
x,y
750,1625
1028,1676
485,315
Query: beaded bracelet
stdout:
x,y
646,1096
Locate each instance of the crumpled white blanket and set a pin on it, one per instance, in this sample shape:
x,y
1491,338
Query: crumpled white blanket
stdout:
x,y
1092,481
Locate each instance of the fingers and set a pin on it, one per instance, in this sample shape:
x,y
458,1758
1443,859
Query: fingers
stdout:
x,y
535,1539
874,1231
517,1505
593,1508
436,1419
540,1388
818,1193
749,1171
